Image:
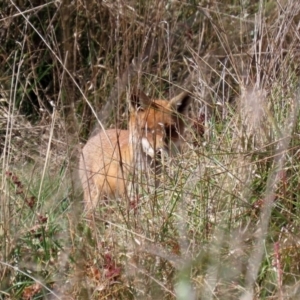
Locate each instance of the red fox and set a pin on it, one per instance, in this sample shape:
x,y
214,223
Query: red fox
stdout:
x,y
108,159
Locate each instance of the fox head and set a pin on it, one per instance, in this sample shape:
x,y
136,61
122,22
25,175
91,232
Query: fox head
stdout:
x,y
156,126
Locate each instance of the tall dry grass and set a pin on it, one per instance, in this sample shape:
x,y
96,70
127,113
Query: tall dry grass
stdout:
x,y
224,223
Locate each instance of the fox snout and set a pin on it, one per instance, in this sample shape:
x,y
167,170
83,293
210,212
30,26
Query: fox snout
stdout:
x,y
154,151
159,143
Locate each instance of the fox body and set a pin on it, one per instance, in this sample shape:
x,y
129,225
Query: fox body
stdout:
x,y
111,156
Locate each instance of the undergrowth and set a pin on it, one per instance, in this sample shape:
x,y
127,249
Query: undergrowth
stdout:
x,y
224,222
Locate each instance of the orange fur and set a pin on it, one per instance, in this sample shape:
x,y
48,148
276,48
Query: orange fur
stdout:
x,y
110,157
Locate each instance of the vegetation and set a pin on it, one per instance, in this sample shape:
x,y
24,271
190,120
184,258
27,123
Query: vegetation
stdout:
x,y
224,224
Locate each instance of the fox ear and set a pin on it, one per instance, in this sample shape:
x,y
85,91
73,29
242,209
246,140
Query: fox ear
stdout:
x,y
181,102
139,100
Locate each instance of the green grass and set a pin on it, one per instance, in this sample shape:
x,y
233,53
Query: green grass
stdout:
x,y
194,236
